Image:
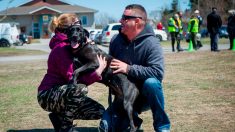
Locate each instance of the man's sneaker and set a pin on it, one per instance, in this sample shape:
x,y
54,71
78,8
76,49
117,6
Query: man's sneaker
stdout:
x,y
180,49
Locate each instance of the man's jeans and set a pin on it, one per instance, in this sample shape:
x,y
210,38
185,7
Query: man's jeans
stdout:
x,y
214,41
152,97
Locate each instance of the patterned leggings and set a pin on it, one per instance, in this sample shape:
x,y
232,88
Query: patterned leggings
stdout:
x,y
70,103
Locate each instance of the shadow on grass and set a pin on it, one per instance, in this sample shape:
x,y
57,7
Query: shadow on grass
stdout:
x,y
80,129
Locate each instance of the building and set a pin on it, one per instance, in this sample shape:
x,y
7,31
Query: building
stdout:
x,y
34,16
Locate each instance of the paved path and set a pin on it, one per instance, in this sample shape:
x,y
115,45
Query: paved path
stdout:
x,y
23,58
43,46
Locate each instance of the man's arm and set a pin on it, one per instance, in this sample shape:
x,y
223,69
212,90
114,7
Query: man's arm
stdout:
x,y
154,64
219,21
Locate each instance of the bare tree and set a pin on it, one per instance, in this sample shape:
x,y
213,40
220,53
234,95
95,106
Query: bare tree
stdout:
x,y
5,15
167,13
103,19
205,7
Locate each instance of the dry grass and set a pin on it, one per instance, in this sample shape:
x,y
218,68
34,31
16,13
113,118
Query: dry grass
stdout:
x,y
15,52
200,91
204,41
199,94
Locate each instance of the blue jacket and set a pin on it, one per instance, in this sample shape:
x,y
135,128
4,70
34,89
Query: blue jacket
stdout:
x,y
144,54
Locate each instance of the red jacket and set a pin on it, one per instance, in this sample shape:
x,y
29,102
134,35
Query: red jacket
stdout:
x,y
60,65
159,26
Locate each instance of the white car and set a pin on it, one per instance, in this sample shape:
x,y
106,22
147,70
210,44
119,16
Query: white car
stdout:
x,y
98,38
160,34
109,31
9,34
93,32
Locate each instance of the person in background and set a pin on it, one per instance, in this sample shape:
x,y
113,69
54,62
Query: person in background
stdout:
x,y
174,29
214,23
198,36
179,32
159,26
64,101
180,13
139,55
231,28
193,30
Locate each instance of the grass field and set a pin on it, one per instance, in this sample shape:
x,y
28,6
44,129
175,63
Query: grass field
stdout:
x,y
199,92
204,41
15,52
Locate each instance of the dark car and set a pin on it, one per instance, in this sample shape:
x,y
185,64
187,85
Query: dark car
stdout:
x,y
23,38
223,33
204,33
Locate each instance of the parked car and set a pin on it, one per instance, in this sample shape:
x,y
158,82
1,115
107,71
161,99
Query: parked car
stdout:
x,y
9,34
98,38
93,32
223,33
204,33
109,31
160,34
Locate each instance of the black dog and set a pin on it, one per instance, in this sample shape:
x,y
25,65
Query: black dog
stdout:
x,y
123,89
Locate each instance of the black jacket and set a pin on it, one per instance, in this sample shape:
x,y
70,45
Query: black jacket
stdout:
x,y
214,23
231,25
144,54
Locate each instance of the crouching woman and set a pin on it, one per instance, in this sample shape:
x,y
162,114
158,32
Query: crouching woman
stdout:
x,y
64,101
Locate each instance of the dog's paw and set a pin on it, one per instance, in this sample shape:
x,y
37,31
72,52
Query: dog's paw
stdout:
x,y
72,82
82,88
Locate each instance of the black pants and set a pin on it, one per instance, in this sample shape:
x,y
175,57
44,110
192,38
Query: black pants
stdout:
x,y
214,41
70,103
175,36
193,39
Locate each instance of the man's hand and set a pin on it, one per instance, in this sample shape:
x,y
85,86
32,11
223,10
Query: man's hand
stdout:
x,y
119,66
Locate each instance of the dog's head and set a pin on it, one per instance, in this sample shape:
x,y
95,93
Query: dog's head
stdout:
x,y
77,35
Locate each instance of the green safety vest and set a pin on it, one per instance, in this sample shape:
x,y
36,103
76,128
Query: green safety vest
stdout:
x,y
171,23
195,26
180,25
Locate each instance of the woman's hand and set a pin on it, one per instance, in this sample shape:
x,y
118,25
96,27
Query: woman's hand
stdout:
x,y
89,41
102,64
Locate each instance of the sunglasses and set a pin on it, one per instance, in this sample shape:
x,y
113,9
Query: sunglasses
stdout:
x,y
124,17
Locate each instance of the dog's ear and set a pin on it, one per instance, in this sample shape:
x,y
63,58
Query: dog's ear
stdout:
x,y
86,33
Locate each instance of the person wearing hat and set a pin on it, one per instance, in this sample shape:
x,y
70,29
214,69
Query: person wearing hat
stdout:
x,y
180,23
214,23
198,35
159,26
231,28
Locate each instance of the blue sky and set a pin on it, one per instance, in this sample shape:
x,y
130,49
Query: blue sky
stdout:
x,y
113,8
